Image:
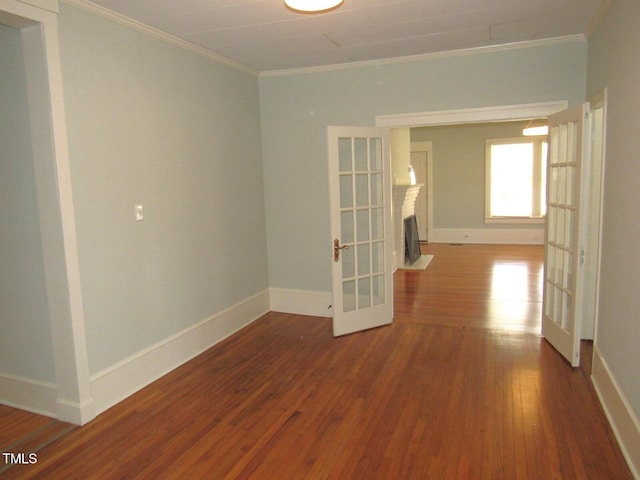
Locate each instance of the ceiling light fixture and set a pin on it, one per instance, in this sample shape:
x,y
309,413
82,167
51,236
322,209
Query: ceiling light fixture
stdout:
x,y
532,130
312,6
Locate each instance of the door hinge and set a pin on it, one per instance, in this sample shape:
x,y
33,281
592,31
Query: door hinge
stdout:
x,y
581,256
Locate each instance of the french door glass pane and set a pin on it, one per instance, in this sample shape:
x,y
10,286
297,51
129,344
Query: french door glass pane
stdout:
x,y
568,271
346,226
543,179
549,300
344,155
571,180
557,307
364,292
346,191
378,289
551,264
348,263
562,144
572,142
362,190
562,185
364,268
375,145
569,228
553,185
360,151
551,224
349,296
362,217
553,151
377,224
377,257
559,266
376,189
560,226
566,310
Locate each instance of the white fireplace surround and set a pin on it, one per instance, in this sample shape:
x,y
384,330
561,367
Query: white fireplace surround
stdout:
x,y
404,205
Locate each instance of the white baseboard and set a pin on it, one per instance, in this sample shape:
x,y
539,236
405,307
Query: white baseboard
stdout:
x,y
301,302
27,394
76,413
121,380
528,236
622,418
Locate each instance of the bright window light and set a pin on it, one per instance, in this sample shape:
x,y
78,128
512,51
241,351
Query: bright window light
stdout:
x,y
515,179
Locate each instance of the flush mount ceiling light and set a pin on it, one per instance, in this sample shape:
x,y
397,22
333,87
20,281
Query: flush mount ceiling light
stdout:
x,y
312,6
535,128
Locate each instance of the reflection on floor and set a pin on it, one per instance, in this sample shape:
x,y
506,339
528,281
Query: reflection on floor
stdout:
x,y
26,433
474,286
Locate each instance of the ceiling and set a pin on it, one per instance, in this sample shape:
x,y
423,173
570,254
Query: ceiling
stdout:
x,y
263,35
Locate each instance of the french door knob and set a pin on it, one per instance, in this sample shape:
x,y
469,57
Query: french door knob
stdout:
x,y
337,248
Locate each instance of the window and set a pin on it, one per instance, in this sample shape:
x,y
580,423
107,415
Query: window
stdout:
x,y
515,180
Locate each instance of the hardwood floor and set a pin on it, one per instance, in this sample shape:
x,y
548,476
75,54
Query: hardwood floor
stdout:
x,y
461,386
475,286
26,432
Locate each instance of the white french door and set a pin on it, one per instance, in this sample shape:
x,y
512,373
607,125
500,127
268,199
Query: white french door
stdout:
x,y
361,229
560,320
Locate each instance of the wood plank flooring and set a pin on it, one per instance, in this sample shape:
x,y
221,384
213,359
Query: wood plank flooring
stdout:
x,y
464,391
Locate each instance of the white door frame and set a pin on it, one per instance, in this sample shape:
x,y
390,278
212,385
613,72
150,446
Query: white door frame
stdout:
x,y
427,147
465,116
593,198
37,21
471,115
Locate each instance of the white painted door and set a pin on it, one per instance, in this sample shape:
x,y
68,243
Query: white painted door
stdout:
x,y
361,229
560,321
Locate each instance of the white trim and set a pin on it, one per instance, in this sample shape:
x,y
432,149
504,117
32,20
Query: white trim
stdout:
x,y
43,72
472,115
427,147
622,418
515,220
115,17
426,56
521,236
75,412
301,302
598,17
114,384
28,394
51,5
21,13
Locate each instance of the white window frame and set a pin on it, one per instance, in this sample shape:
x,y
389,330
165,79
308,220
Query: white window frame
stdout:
x,y
536,217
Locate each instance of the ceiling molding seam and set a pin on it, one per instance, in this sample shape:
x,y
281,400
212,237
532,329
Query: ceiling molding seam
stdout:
x,y
155,33
580,38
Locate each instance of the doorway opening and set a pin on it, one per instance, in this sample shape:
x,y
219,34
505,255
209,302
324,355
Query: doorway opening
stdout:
x,y
591,214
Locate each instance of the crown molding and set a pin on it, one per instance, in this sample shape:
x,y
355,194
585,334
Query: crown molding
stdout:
x,y
598,17
426,56
155,33
472,115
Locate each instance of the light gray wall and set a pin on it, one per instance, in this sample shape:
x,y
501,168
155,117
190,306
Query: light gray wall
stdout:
x,y
614,63
25,337
297,108
152,124
459,171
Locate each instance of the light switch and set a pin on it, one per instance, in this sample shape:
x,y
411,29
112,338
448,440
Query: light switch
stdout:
x,y
139,213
